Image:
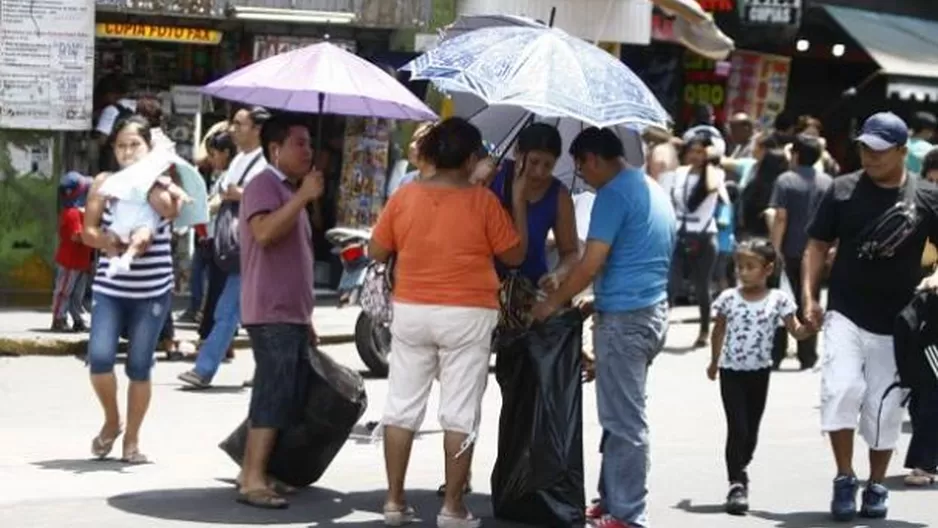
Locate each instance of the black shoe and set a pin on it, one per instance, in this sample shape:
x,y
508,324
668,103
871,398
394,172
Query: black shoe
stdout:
x,y
59,325
737,500
79,327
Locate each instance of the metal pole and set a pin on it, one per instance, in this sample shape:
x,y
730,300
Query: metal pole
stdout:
x,y
553,15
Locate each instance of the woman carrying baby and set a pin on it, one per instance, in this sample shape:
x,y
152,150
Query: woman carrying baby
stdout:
x,y
136,299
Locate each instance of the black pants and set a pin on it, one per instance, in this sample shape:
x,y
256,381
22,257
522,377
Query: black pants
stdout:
x,y
216,283
923,448
695,255
744,394
807,348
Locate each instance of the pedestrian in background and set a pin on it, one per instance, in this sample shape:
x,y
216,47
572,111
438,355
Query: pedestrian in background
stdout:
x,y
795,196
72,257
923,126
741,354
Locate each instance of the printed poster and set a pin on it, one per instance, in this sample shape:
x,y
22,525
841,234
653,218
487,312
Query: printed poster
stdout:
x,y
364,171
758,85
47,60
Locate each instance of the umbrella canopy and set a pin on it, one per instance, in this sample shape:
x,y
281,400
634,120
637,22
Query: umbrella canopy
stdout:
x,y
500,125
543,70
693,26
321,78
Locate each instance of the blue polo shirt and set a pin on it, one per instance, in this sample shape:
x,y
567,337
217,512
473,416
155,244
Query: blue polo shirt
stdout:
x,y
635,217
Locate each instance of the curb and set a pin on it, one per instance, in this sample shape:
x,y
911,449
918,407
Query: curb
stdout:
x,y
31,346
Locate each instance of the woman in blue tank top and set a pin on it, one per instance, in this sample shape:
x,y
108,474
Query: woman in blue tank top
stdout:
x,y
136,300
550,207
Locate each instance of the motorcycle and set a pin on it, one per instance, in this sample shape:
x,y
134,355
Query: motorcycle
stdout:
x,y
372,338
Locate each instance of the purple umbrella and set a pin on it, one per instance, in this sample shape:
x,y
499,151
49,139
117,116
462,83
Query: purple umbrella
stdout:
x,y
321,78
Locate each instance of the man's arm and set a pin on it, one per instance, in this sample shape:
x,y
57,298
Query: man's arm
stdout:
x,y
778,228
812,266
581,275
268,222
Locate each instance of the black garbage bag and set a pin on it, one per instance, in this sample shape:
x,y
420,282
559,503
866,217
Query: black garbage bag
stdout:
x,y
538,475
335,400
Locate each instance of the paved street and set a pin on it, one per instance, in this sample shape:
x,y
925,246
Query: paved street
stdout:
x,y
49,416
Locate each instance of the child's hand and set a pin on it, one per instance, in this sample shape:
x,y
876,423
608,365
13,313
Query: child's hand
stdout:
x,y
712,371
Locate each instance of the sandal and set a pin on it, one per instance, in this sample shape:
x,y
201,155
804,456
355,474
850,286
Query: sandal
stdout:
x,y
134,457
262,498
280,487
441,491
101,447
448,520
920,478
399,515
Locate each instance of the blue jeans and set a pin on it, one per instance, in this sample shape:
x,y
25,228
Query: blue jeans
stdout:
x,y
143,320
198,274
625,345
227,319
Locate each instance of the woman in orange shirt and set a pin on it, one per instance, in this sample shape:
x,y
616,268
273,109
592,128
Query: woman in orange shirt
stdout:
x,y
444,232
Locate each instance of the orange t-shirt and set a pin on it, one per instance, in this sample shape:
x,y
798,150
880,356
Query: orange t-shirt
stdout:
x,y
445,239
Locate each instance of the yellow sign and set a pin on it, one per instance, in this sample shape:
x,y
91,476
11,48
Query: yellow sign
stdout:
x,y
161,33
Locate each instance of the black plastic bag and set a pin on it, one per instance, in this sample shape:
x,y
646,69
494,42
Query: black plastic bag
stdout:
x,y
335,400
538,475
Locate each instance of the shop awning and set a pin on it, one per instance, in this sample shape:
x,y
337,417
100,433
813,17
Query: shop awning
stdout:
x,y
905,48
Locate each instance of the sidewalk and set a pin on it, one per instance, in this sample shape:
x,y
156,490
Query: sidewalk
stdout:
x,y
25,331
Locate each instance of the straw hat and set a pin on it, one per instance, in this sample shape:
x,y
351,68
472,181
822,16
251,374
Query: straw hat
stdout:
x,y
201,154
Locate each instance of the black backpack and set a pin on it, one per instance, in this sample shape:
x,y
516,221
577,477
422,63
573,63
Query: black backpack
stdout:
x,y
916,342
227,242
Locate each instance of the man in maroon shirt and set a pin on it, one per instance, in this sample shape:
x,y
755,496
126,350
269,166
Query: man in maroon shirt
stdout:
x,y
277,293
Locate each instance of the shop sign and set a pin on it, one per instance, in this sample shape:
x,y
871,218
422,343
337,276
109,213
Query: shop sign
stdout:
x,y
161,33
758,85
269,45
770,12
704,84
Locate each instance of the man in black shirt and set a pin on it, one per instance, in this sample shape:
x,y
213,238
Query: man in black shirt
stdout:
x,y
875,274
794,198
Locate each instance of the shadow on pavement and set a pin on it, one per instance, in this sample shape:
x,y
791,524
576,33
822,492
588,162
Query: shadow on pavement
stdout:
x,y
679,350
214,389
83,465
796,519
323,507
823,520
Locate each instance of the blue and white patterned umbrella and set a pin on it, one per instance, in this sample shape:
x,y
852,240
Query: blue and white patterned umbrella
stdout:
x,y
544,70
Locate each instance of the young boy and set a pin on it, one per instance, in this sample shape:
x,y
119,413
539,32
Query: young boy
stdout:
x,y
72,258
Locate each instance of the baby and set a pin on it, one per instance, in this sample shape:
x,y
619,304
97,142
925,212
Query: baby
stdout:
x,y
134,220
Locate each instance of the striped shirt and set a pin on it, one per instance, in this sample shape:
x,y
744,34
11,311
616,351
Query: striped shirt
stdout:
x,y
150,275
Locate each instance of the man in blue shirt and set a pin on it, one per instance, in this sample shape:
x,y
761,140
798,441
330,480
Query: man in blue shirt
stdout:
x,y
628,255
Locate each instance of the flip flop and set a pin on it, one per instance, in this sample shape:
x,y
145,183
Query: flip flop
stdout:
x,y
399,516
101,447
135,458
264,499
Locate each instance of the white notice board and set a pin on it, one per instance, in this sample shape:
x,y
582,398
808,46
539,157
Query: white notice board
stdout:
x,y
47,64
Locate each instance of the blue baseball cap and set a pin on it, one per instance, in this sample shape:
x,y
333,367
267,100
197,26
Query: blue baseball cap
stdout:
x,y
74,187
884,131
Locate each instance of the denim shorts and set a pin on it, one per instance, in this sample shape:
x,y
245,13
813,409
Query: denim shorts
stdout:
x,y
281,374
143,319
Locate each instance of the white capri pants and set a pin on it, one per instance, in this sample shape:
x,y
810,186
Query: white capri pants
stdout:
x,y
858,380
451,342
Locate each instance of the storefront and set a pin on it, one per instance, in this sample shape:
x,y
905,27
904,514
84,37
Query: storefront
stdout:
x,y
170,59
